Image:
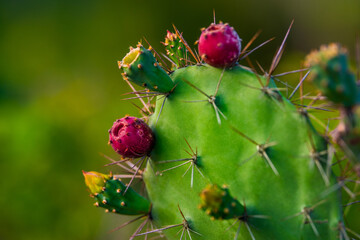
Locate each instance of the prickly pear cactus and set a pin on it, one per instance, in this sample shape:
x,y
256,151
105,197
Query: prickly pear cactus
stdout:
x,y
225,154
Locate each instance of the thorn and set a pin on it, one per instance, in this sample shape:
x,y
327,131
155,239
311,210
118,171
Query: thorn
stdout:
x,y
185,43
256,48
277,57
300,84
256,35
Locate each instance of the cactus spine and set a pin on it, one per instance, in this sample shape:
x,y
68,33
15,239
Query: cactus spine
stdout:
x,y
232,151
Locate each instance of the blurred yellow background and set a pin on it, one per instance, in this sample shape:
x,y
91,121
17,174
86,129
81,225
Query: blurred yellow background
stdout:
x,y
60,91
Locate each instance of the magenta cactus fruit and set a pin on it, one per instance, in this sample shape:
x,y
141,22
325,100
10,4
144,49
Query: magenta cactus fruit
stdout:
x,y
131,137
220,45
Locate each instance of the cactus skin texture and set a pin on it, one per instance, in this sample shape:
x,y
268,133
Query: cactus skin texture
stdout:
x,y
234,158
223,159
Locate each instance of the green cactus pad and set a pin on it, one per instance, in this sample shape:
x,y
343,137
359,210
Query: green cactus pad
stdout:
x,y
330,73
113,195
263,150
141,68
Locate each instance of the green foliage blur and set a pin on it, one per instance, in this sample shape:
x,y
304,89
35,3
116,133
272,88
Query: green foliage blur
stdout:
x,y
60,91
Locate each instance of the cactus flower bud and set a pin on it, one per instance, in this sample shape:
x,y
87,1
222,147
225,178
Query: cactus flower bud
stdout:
x,y
175,50
95,181
217,202
131,137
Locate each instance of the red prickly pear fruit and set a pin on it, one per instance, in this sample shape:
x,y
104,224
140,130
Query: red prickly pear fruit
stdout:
x,y
131,137
220,45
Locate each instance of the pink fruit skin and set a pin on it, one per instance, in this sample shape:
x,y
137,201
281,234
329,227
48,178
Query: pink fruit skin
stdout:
x,y
220,45
131,137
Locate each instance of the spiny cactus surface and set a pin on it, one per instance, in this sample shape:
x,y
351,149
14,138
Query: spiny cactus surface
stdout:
x,y
228,156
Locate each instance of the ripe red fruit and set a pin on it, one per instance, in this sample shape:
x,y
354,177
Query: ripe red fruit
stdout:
x,y
131,137
220,45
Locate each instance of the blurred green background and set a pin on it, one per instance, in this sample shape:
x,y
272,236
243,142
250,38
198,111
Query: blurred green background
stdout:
x,y
60,91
